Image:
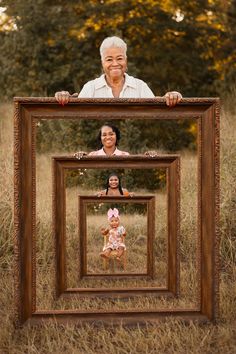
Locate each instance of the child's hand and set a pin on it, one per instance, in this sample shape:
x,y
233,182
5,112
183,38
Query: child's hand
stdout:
x,y
121,231
126,193
104,231
100,194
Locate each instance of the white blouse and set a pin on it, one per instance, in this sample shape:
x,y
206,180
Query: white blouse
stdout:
x,y
133,88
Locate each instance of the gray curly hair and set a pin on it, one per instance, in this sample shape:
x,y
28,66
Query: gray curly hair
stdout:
x,y
111,42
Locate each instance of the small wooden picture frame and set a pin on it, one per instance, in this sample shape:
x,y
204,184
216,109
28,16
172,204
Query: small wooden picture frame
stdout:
x,y
83,203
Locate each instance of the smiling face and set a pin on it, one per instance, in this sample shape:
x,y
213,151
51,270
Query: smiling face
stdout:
x,y
114,222
113,182
114,63
108,137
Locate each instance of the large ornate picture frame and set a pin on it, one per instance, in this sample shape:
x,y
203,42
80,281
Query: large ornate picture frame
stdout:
x,y
27,112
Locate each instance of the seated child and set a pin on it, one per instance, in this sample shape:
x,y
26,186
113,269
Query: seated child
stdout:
x,y
116,235
113,187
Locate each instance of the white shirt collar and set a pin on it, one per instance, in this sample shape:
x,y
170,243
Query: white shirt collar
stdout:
x,y
101,82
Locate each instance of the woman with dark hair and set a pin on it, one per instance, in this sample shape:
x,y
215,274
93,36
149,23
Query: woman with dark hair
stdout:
x,y
108,137
114,129
113,187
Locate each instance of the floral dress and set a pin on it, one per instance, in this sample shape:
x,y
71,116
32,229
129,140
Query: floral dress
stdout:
x,y
115,239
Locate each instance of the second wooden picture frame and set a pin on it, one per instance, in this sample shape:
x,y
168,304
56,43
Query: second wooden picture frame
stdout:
x,y
172,165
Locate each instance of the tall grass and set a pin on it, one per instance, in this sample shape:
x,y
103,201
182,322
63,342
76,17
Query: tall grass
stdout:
x,y
172,336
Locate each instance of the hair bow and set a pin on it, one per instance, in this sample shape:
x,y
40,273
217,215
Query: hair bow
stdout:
x,y
113,212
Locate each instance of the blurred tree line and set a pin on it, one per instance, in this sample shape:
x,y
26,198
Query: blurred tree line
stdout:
x,y
137,136
48,46
132,179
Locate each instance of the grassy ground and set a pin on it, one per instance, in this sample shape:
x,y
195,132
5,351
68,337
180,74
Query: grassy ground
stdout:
x,y
172,336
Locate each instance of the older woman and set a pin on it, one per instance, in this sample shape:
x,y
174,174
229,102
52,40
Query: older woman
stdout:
x,y
115,82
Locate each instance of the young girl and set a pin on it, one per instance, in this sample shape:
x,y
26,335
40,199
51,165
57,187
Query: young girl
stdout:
x,y
116,234
113,187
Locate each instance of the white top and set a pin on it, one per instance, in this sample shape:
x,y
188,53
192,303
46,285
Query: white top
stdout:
x,y
133,88
101,152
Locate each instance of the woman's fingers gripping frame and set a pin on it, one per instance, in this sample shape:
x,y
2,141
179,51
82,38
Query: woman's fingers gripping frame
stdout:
x,y
172,98
62,97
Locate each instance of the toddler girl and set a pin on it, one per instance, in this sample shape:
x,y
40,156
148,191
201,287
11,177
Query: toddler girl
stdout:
x,y
116,234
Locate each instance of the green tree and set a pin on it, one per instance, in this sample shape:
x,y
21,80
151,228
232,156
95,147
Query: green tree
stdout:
x,y
38,56
226,53
171,45
55,46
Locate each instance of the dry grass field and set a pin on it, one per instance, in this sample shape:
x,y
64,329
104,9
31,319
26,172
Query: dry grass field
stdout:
x,y
171,336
